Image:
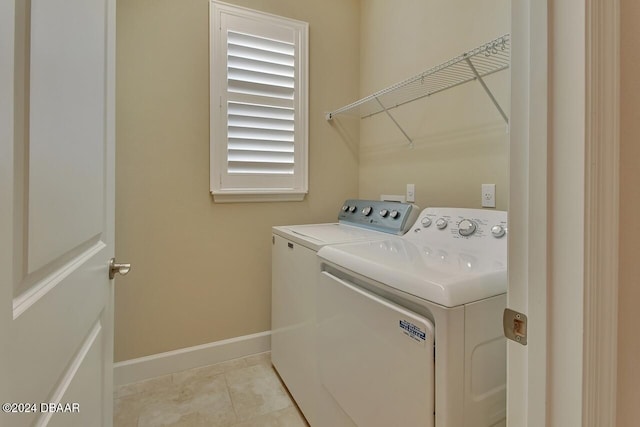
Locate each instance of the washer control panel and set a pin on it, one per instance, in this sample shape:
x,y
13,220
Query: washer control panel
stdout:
x,y
468,227
388,217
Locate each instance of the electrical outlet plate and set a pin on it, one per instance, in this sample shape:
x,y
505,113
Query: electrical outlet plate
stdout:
x,y
411,193
488,195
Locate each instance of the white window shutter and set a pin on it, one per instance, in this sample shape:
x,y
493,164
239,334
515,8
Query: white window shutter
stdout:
x,y
260,139
258,106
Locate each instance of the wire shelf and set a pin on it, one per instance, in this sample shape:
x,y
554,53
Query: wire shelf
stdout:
x,y
475,64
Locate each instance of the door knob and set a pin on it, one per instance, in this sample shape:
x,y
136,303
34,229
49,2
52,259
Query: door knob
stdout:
x,y
117,268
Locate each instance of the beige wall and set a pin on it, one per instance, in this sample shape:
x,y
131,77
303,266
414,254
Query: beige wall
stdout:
x,y
201,270
629,291
460,138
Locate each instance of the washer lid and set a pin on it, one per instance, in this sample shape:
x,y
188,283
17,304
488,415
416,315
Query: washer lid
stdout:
x,y
444,275
314,236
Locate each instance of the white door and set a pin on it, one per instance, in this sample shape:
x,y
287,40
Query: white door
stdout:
x,y
57,129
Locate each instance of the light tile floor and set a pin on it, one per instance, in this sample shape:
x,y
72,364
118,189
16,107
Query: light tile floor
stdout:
x,y
244,392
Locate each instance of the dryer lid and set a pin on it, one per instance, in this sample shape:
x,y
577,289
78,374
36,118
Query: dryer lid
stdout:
x,y
444,275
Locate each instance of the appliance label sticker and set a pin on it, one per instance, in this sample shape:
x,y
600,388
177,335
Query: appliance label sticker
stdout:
x,y
413,331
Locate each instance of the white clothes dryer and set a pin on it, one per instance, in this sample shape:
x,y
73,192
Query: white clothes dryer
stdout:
x,y
294,273
410,328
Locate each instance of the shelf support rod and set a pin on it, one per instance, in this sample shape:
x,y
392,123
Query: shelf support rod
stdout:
x,y
484,86
395,122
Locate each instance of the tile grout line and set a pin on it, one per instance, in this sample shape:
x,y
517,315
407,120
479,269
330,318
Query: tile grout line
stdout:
x,y
233,405
249,363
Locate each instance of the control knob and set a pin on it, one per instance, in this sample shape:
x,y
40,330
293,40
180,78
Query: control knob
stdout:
x,y
426,221
345,208
394,214
497,231
352,209
466,227
384,213
367,211
441,223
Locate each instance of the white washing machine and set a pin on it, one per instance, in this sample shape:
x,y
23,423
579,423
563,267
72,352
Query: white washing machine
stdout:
x,y
410,328
294,273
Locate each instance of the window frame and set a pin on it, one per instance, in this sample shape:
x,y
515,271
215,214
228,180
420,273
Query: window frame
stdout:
x,y
227,187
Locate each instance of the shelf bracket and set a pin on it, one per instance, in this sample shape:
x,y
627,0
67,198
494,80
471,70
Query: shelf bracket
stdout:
x,y
395,122
486,89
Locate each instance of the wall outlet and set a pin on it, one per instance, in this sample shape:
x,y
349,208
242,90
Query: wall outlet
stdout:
x,y
488,195
411,193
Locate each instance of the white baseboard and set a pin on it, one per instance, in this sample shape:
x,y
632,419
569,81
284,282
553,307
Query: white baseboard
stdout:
x,y
155,365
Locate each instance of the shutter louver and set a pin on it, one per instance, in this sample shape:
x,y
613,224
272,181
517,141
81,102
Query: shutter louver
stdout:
x,y
260,105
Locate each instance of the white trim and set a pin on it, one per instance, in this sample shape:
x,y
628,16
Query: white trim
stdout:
x,y
155,365
259,187
264,196
602,150
7,69
528,205
566,217
567,374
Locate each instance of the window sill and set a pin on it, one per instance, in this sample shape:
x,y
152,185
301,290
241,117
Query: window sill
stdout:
x,y
242,197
